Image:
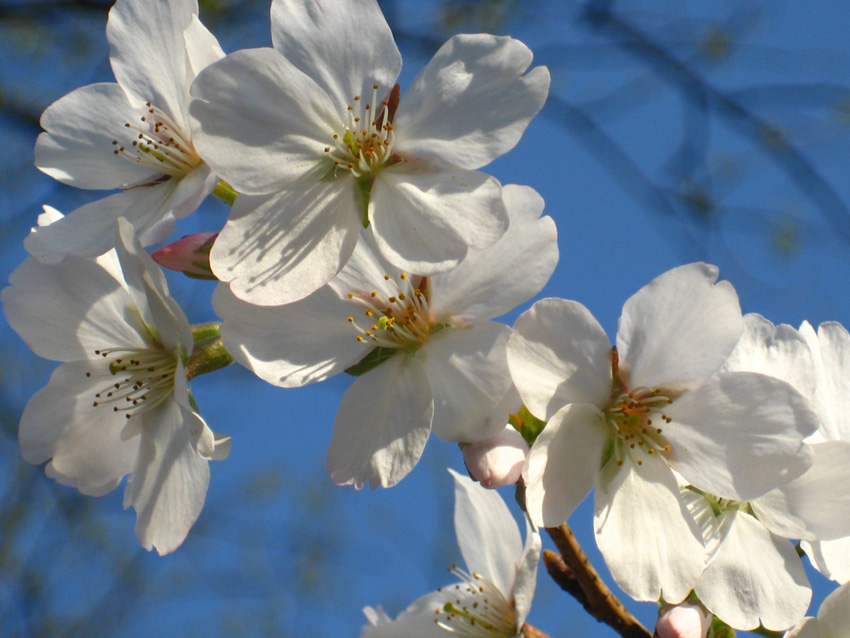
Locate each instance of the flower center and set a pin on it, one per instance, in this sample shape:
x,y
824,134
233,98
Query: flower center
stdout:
x,y
367,142
400,320
159,145
140,379
636,416
475,608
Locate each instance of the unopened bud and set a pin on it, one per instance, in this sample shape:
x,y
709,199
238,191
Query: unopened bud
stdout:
x,y
683,621
496,461
189,255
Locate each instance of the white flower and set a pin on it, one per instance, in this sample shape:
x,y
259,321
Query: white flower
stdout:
x,y
833,620
314,136
133,134
119,403
831,352
755,575
625,419
494,594
444,363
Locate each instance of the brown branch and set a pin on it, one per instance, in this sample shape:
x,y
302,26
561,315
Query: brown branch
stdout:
x,y
532,632
575,575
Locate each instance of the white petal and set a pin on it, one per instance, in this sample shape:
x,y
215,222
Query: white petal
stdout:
x,y
559,354
739,435
169,485
675,331
754,576
830,558
526,578
809,628
426,218
291,345
494,280
146,283
89,231
76,147
68,311
649,541
834,613
417,621
383,422
261,123
345,46
83,441
487,533
472,102
201,46
778,351
831,353
468,374
815,506
279,249
147,52
563,463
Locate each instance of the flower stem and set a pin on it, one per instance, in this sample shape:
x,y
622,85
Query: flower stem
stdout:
x,y
761,631
575,575
225,192
208,355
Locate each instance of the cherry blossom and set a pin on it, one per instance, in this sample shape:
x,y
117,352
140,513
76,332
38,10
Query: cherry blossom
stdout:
x,y
314,135
830,346
132,135
119,404
427,354
624,419
833,619
494,593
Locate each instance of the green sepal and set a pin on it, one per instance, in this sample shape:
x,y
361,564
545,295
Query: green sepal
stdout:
x,y
225,192
528,425
205,330
208,355
372,360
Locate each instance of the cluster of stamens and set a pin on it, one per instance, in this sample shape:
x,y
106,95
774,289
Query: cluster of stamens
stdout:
x,y
631,415
158,145
139,380
475,607
367,142
400,320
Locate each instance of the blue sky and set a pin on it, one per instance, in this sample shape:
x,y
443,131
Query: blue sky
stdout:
x,y
281,551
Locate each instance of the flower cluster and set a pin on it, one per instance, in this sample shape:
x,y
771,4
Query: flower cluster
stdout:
x,y
364,238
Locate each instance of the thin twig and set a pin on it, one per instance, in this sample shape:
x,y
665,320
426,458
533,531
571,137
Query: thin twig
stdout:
x,y
577,576
532,632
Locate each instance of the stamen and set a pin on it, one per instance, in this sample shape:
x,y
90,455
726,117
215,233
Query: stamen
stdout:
x,y
367,143
475,608
139,379
404,318
160,145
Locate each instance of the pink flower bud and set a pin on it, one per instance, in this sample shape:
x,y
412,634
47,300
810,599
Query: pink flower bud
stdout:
x,y
496,461
683,621
189,255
